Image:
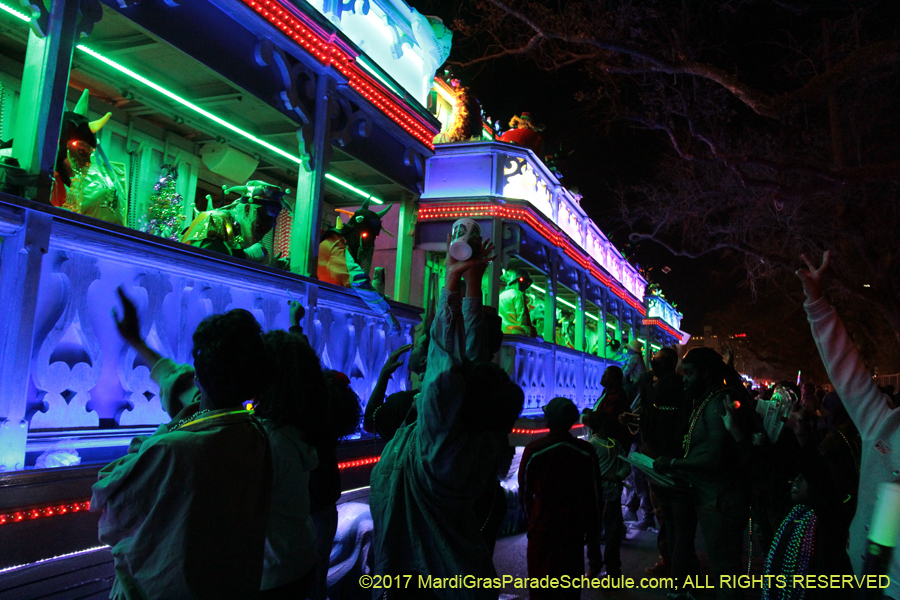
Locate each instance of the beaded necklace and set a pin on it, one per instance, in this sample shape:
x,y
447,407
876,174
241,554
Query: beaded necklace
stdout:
x,y
196,417
854,456
695,416
796,553
193,417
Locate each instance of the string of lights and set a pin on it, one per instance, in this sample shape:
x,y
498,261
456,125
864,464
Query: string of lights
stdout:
x,y
17,516
434,212
330,54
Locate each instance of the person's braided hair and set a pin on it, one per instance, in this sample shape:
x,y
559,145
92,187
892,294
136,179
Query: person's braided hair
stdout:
x,y
229,357
296,392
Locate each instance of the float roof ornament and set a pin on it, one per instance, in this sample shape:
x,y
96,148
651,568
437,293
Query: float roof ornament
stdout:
x,y
394,36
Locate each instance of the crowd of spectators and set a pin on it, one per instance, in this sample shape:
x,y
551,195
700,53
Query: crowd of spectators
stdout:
x,y
236,496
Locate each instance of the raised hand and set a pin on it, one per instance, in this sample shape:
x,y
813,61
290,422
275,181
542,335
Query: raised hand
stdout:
x,y
129,326
394,361
475,273
297,312
811,277
477,264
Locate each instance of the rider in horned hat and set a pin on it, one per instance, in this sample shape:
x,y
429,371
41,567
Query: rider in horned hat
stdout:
x,y
345,258
83,180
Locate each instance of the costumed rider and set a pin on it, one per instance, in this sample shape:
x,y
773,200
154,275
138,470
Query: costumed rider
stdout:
x,y
84,180
465,122
238,229
345,258
525,132
513,306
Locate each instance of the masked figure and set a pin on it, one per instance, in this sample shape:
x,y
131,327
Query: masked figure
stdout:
x,y
84,181
513,307
345,258
238,228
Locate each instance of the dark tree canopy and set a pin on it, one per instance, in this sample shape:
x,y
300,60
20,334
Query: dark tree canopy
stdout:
x,y
780,119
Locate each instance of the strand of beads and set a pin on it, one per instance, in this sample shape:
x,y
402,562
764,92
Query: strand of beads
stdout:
x,y
695,416
797,553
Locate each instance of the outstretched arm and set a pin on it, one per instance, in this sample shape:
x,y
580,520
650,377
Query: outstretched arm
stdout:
x,y
376,400
129,327
440,400
176,382
472,314
865,403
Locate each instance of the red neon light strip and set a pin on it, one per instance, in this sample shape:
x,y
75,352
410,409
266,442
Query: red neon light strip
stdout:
x,y
329,53
453,211
17,516
537,431
664,326
359,463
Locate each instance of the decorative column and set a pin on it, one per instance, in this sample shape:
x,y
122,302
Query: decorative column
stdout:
x,y
405,242
602,348
580,343
550,298
619,318
307,221
45,81
20,254
495,269
648,350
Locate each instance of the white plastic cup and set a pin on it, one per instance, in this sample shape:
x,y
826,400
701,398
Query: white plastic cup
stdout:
x,y
886,517
464,231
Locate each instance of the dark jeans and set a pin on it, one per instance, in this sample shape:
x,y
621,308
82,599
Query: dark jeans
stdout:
x,y
681,518
722,522
613,527
325,522
662,537
639,494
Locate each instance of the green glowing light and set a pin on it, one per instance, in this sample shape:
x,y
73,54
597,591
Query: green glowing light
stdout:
x,y
19,15
220,121
354,189
566,303
187,103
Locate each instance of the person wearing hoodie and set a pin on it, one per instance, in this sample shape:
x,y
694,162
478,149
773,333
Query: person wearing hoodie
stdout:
x,y
185,510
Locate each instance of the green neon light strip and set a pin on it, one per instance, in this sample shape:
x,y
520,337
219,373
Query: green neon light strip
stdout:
x,y
19,15
220,121
23,17
356,190
565,303
187,103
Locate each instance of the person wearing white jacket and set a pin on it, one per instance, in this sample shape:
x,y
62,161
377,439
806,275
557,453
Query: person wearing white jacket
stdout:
x,y
869,408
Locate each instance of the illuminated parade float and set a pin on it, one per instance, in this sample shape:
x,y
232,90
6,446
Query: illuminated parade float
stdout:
x,y
248,142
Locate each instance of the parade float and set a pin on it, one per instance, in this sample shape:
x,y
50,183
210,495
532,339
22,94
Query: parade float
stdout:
x,y
194,154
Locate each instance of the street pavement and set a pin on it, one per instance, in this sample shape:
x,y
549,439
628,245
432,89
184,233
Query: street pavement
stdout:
x,y
638,552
